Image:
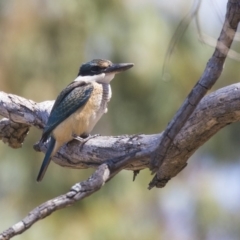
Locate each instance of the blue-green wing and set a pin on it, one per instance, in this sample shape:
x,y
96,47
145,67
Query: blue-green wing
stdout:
x,y
74,96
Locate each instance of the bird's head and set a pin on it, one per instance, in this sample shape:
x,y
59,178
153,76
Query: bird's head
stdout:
x,y
101,70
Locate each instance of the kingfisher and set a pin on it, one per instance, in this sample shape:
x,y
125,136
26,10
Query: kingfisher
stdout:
x,y
79,106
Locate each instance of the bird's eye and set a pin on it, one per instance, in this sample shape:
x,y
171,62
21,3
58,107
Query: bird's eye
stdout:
x,y
95,69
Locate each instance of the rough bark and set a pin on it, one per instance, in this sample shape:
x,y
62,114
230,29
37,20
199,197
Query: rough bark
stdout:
x,y
13,133
215,111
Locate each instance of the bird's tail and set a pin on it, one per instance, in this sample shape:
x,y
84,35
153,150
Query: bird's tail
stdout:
x,y
46,159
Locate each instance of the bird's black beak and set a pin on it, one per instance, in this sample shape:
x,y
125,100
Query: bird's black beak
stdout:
x,y
118,67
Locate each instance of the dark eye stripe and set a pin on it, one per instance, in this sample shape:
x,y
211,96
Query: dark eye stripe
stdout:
x,y
96,68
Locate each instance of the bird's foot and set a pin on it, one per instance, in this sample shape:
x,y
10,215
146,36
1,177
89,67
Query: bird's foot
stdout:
x,y
83,140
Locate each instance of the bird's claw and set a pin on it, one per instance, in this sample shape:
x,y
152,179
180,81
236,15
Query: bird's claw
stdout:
x,y
84,140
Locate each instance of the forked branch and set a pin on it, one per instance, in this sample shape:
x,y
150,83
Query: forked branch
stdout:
x,y
210,75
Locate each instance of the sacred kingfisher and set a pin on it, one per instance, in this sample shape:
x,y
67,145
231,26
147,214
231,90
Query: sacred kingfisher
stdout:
x,y
79,106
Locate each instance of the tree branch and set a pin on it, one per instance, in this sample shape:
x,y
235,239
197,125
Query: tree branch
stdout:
x,y
210,75
215,111
77,192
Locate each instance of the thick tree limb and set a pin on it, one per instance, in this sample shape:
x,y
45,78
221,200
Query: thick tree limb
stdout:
x,y
215,111
21,110
209,77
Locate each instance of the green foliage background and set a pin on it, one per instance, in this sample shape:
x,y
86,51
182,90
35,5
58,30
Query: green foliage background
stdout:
x,y
43,43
